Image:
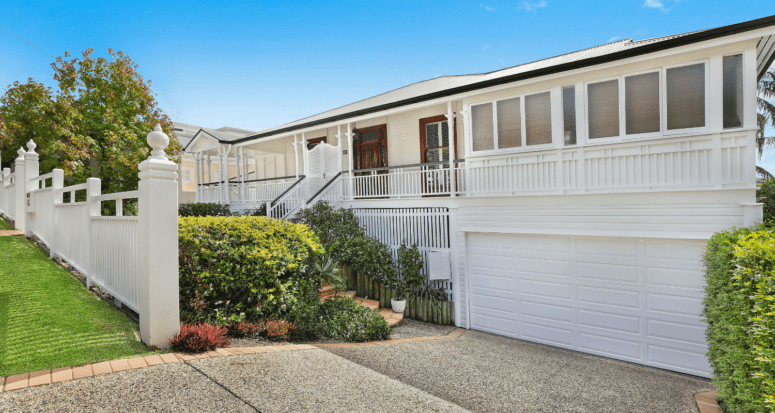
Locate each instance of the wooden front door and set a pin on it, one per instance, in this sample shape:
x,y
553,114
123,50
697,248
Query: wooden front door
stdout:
x,y
370,147
434,148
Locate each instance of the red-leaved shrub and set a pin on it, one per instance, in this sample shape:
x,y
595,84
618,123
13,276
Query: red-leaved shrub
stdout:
x,y
243,329
277,330
198,338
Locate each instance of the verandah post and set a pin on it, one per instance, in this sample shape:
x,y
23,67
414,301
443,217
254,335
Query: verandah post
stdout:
x,y
158,245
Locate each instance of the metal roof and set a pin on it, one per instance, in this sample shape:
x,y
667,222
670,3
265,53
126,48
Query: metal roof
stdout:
x,y
451,85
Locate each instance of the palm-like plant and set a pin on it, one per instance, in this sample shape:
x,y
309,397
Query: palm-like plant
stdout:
x,y
766,115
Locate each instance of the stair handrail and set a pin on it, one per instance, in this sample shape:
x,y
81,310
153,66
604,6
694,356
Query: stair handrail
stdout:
x,y
280,200
319,194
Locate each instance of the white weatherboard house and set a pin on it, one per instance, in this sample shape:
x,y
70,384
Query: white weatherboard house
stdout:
x,y
571,198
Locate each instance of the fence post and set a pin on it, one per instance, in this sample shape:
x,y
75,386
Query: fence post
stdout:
x,y
21,193
31,171
158,243
57,183
3,195
93,209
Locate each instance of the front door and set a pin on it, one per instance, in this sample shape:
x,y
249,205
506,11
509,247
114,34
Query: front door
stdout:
x,y
434,149
370,147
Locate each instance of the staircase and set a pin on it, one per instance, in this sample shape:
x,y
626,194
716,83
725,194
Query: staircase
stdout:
x,y
327,291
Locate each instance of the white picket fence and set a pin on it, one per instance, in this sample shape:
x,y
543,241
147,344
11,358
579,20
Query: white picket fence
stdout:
x,y
133,258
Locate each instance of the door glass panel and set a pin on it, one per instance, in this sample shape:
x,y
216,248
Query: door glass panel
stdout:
x,y
370,136
444,134
431,135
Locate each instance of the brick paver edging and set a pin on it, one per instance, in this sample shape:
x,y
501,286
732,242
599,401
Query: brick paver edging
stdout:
x,y
707,402
39,378
11,233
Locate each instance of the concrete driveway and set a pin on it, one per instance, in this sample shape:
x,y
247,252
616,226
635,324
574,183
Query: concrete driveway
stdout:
x,y
475,372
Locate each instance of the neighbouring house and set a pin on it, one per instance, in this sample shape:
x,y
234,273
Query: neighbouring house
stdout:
x,y
565,201
184,133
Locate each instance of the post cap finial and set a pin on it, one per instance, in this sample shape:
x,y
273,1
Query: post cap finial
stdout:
x,y
158,140
31,146
21,152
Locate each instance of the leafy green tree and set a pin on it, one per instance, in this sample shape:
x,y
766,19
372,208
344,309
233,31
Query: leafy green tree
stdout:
x,y
93,125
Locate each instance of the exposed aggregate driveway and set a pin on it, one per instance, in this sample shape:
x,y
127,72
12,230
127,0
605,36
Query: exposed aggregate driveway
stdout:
x,y
476,372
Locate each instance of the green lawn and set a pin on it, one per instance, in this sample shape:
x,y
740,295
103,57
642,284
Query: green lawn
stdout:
x,y
4,224
49,320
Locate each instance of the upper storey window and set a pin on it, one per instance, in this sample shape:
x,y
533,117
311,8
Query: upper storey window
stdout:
x,y
733,91
685,88
524,120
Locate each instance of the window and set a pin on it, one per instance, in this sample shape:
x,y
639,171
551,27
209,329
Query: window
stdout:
x,y
538,119
685,88
641,103
519,121
733,91
603,103
434,139
569,114
509,124
481,122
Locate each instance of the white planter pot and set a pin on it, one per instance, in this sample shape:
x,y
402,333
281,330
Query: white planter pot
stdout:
x,y
398,306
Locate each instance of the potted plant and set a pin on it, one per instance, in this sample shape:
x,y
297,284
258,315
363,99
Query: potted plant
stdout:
x,y
398,302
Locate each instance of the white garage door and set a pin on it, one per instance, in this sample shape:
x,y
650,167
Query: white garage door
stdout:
x,y
629,299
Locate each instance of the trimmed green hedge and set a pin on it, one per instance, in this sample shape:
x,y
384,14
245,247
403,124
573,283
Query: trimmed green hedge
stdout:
x,y
253,268
203,209
765,194
740,311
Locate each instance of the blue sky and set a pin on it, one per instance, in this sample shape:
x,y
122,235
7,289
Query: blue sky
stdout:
x,y
255,65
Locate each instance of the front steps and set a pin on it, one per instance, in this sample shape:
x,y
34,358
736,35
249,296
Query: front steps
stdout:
x,y
392,318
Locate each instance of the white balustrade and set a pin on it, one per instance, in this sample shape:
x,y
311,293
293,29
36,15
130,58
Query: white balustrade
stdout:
x,y
290,202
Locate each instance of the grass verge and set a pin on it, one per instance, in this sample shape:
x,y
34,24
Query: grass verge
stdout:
x,y
49,320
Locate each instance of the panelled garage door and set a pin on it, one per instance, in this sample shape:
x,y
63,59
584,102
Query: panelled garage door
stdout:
x,y
631,299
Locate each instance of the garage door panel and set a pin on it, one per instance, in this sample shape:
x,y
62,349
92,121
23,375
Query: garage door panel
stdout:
x,y
610,346
609,297
610,247
547,334
492,323
675,277
550,244
607,271
680,360
495,302
631,299
609,321
540,267
545,289
690,306
692,334
546,311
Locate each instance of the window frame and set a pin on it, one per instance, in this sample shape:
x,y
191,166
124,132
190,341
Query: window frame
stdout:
x,y
523,147
436,119
663,98
620,111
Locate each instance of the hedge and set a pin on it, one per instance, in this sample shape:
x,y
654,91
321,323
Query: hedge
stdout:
x,y
203,209
765,194
254,268
740,312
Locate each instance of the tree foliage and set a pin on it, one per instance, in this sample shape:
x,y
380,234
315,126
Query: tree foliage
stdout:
x,y
93,125
766,113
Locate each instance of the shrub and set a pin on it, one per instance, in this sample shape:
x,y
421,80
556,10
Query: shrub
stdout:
x,y
199,338
765,194
252,268
203,209
243,329
740,311
277,330
345,319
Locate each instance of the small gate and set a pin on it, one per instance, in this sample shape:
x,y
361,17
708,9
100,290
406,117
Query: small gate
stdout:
x,y
323,166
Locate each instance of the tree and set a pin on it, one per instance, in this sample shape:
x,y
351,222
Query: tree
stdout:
x,y
765,116
95,124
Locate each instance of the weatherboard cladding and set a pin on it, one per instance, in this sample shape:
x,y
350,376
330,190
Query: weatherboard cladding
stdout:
x,y
451,85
